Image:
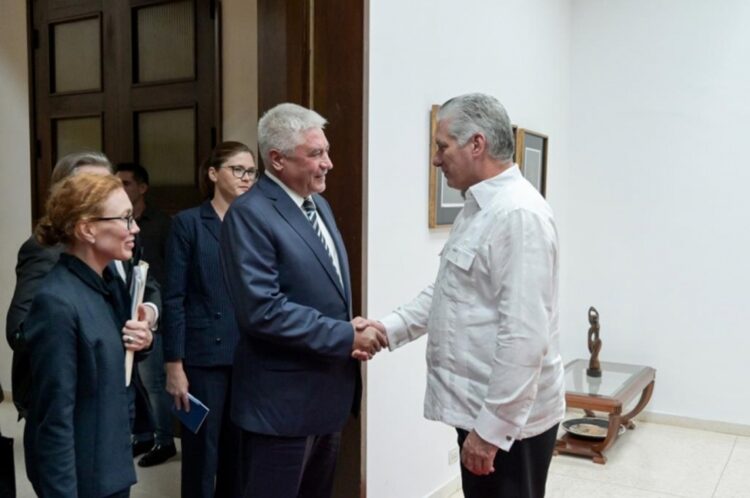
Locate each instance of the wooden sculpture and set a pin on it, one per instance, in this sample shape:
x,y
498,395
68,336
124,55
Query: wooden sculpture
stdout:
x,y
595,344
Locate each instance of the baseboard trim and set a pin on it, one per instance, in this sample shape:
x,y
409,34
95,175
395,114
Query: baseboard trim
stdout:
x,y
448,489
695,423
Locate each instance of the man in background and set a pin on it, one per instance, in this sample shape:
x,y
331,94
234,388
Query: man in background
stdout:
x,y
152,436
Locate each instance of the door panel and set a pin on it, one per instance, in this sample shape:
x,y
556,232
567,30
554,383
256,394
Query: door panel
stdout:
x,y
76,56
75,134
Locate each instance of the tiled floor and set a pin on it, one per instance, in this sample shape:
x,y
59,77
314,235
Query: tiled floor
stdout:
x,y
658,461
654,461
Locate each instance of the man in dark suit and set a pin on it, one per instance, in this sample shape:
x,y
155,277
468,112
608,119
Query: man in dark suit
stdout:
x,y
152,430
294,380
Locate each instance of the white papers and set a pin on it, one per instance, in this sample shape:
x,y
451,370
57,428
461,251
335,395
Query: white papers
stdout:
x,y
137,286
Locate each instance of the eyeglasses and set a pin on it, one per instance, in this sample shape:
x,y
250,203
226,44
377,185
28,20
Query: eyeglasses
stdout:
x,y
129,219
240,172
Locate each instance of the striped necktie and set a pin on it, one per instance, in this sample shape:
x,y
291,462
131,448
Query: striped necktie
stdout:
x,y
312,215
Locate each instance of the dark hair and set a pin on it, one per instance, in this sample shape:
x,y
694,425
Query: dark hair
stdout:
x,y
480,113
75,198
221,153
140,175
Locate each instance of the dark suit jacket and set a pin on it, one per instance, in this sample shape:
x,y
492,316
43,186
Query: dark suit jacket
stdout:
x,y
77,436
34,263
154,225
199,324
293,372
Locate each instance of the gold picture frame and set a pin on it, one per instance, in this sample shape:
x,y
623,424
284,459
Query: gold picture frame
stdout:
x,y
444,202
531,157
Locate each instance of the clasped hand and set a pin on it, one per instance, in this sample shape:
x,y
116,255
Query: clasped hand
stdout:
x,y
478,455
369,338
136,334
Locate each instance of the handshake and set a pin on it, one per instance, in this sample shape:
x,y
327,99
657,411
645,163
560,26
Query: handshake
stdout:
x,y
369,338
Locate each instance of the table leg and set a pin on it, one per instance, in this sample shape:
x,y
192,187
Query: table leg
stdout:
x,y
612,432
645,398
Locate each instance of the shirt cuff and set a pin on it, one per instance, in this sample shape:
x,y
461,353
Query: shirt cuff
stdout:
x,y
495,430
396,330
156,315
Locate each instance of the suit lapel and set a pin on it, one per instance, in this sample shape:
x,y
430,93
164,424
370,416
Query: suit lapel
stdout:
x,y
210,219
293,215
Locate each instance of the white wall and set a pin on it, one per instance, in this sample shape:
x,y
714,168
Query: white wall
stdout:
x,y
657,234
422,53
15,193
240,70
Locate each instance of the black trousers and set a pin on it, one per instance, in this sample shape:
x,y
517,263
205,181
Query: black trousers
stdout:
x,y
210,459
288,467
519,473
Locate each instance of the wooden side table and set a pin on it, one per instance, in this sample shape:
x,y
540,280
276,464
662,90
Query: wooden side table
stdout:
x,y
616,388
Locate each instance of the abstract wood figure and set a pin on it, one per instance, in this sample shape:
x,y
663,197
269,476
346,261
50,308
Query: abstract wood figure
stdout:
x,y
595,344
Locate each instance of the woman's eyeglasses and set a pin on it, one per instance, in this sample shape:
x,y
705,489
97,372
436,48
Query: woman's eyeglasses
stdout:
x,y
240,172
129,219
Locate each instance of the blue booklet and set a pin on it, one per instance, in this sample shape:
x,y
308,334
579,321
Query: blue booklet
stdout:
x,y
195,417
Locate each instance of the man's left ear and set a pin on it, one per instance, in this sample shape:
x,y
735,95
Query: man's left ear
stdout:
x,y
143,188
478,143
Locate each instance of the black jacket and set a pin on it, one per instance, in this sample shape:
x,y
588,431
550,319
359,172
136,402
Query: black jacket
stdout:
x,y
77,436
34,263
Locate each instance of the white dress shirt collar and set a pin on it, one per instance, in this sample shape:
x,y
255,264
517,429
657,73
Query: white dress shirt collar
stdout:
x,y
296,198
484,191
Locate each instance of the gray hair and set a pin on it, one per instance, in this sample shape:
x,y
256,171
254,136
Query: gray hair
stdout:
x,y
70,162
281,128
479,113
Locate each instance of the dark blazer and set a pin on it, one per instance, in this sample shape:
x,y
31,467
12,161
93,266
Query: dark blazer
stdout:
x,y
77,436
34,263
293,372
199,324
154,225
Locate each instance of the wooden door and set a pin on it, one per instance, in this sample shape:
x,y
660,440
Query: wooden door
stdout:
x,y
136,79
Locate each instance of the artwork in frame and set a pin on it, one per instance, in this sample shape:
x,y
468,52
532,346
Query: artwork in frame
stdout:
x,y
531,156
445,202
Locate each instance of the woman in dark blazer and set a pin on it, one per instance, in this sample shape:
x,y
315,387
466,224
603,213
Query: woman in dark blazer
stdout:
x,y
200,330
77,436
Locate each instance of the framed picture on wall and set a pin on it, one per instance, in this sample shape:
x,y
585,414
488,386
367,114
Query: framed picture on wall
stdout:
x,y
445,202
531,156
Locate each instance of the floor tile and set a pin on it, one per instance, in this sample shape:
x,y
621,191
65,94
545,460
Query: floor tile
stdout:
x,y
658,458
735,481
559,486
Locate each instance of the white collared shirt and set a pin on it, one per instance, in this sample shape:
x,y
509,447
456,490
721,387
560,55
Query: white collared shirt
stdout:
x,y
492,351
298,200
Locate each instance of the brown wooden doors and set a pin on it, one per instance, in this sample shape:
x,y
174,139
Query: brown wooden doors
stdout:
x,y
137,79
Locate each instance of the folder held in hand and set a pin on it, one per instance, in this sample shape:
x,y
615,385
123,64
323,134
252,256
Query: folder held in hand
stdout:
x,y
195,417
